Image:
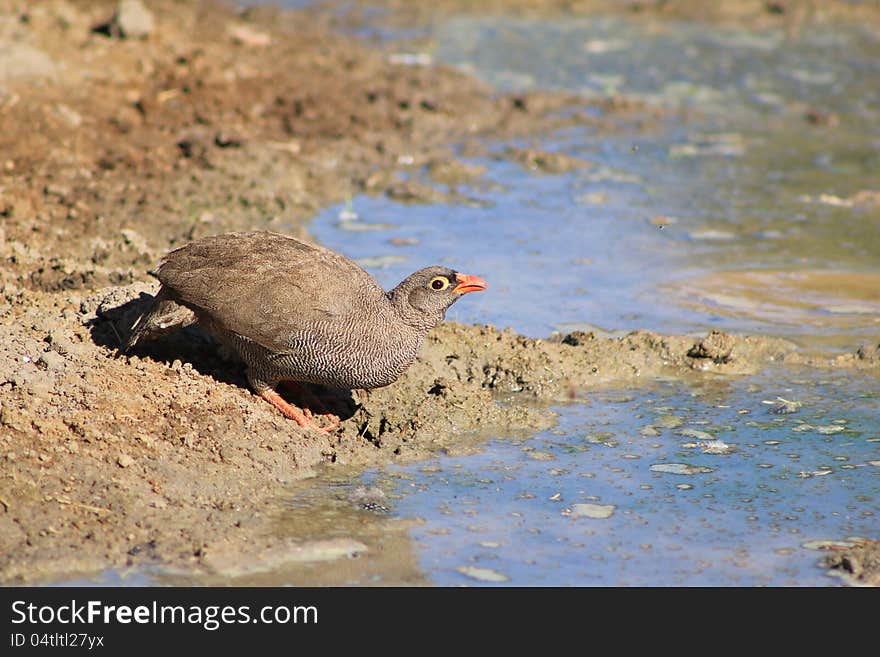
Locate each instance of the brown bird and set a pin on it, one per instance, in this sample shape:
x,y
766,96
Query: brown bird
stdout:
x,y
298,312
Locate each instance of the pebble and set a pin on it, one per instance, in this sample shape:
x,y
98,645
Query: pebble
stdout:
x,y
825,430
248,36
69,115
598,511
783,406
680,468
33,382
696,434
124,461
135,239
19,60
669,421
14,420
134,19
482,574
52,360
546,161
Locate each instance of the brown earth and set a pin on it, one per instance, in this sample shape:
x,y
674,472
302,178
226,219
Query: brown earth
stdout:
x,y
858,565
117,147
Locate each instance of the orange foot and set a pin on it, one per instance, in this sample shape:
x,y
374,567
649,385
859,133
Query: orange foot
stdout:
x,y
306,395
294,413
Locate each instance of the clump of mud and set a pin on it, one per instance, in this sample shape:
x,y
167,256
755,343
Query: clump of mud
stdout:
x,y
858,565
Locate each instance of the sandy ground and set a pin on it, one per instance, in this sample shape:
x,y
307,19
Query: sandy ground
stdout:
x,y
123,137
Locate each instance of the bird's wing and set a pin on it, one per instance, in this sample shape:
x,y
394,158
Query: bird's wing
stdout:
x,y
268,287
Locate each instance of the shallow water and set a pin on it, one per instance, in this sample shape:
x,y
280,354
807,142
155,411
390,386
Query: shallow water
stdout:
x,y
698,485
678,514
742,195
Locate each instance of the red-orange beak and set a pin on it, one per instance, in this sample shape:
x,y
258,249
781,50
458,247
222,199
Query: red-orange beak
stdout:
x,y
468,283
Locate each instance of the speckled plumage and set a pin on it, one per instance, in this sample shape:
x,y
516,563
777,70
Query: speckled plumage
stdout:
x,y
300,312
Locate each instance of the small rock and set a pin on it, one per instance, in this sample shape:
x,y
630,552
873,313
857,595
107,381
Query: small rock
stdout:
x,y
869,352
717,346
134,239
696,434
830,429
14,420
483,574
454,172
680,468
134,19
69,115
19,60
598,511
545,161
51,360
858,564
112,303
825,430
821,117
784,406
124,461
248,36
669,421
578,338
60,192
412,191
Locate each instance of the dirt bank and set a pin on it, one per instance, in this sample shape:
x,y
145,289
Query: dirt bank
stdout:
x,y
122,137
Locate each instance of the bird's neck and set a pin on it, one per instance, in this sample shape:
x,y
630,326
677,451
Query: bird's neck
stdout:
x,y
410,315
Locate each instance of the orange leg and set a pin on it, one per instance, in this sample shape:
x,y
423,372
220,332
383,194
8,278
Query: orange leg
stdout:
x,y
293,412
313,402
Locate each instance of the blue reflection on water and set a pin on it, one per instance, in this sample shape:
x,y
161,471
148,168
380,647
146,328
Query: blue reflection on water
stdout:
x,y
509,508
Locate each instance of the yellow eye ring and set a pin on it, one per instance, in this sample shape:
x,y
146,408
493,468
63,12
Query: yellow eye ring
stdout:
x,y
439,283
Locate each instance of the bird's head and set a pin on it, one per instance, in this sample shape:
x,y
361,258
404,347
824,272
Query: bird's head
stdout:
x,y
422,298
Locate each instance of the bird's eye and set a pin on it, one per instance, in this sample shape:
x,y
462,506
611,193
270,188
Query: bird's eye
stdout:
x,y
439,283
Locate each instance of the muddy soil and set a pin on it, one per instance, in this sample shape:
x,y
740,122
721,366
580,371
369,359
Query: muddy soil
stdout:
x,y
126,133
858,565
